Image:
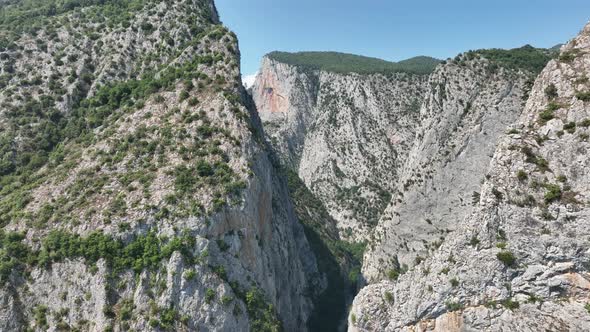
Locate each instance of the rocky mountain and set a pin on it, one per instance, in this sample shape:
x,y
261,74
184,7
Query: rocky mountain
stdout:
x,y
143,188
345,133
518,260
136,190
470,103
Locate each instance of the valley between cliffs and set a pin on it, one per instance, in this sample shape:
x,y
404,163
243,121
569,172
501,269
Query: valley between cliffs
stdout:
x,y
143,188
441,176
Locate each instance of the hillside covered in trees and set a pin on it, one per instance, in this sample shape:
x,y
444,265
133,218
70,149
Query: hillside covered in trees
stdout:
x,y
347,63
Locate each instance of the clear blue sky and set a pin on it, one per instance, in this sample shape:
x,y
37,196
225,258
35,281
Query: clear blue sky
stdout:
x,y
394,29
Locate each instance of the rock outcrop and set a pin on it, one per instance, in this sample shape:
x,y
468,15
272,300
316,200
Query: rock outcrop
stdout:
x,y
519,260
345,134
468,107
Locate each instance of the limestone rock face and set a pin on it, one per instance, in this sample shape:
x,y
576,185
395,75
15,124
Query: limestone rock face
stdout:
x,y
468,107
346,135
519,260
154,206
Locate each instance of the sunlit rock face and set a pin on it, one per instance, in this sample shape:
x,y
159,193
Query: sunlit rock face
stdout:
x,y
518,261
469,106
346,134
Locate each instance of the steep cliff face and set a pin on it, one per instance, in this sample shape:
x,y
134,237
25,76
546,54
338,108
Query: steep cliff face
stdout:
x,y
519,260
140,196
345,134
469,105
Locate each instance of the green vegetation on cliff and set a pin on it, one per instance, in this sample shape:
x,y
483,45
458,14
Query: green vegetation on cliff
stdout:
x,y
98,119
31,16
525,58
350,63
143,252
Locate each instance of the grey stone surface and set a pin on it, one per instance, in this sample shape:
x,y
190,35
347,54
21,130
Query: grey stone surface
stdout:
x,y
346,135
464,286
468,107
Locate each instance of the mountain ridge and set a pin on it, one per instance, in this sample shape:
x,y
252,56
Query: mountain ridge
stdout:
x,y
346,63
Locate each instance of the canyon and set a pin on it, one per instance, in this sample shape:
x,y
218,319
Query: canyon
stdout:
x,y
143,187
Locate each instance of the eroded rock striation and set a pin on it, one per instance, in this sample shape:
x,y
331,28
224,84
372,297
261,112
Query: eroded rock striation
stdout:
x,y
470,103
